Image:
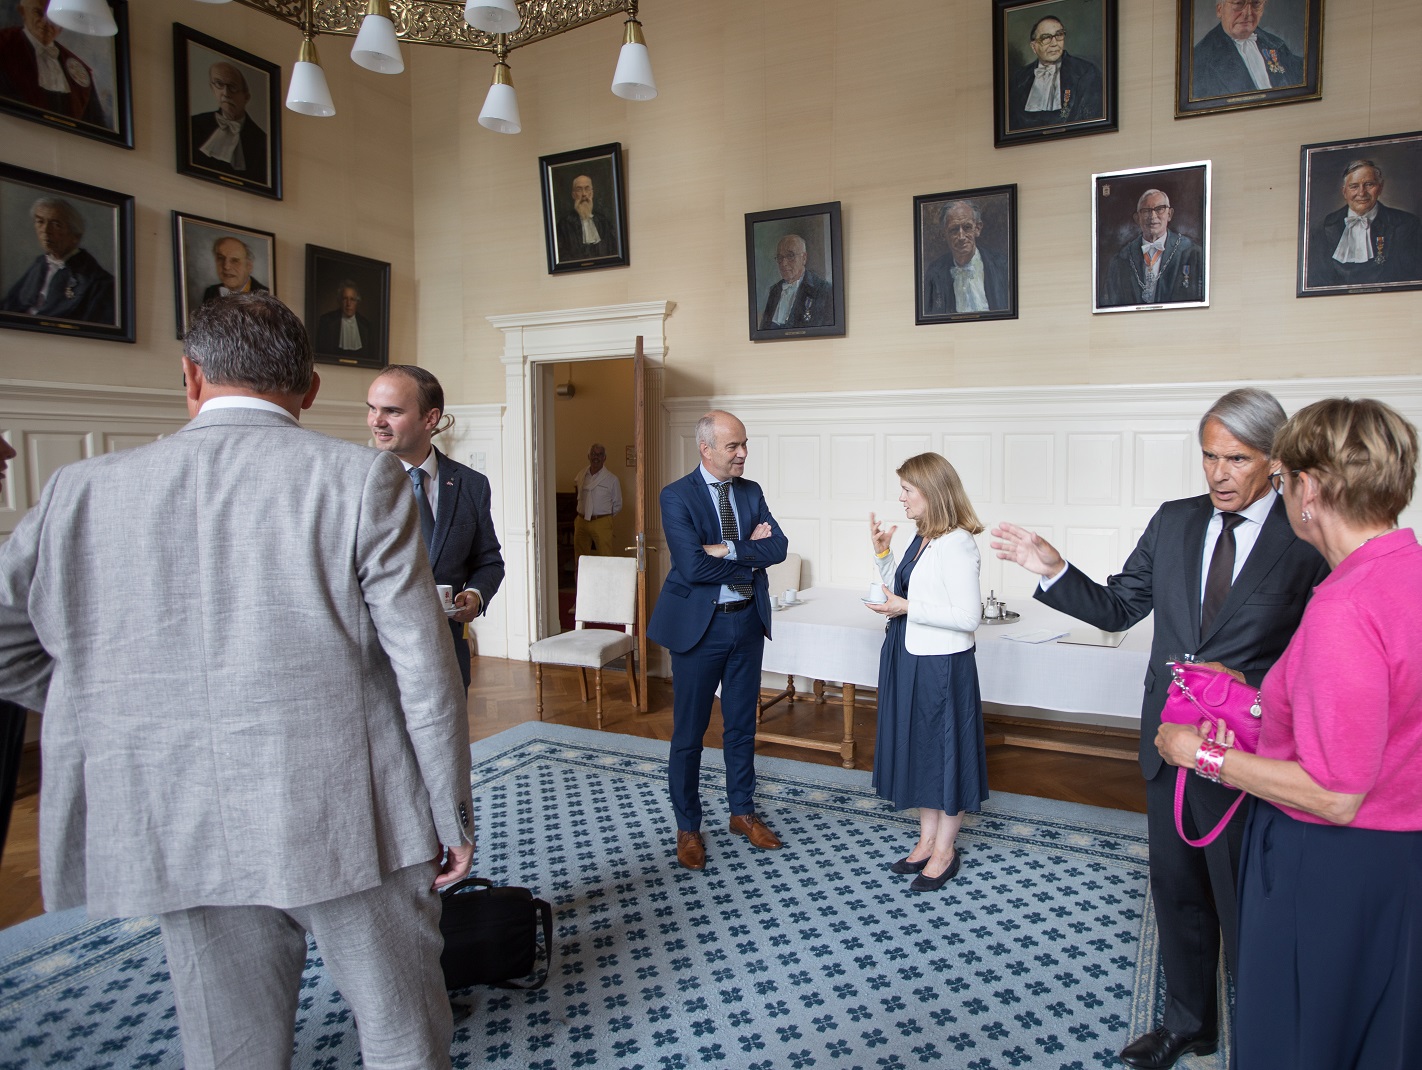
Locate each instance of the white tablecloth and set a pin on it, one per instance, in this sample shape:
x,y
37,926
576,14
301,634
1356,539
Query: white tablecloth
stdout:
x,y
832,636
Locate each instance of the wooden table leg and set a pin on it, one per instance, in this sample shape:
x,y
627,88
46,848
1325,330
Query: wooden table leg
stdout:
x,y
846,747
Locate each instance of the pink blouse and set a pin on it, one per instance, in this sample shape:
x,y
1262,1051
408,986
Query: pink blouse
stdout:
x,y
1345,699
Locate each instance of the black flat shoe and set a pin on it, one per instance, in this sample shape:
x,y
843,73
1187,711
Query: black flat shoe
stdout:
x,y
924,883
1160,1048
903,865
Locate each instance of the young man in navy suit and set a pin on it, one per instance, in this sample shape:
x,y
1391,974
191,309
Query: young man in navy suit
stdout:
x,y
405,409
713,614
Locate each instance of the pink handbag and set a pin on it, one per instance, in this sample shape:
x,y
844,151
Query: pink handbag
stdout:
x,y
1202,697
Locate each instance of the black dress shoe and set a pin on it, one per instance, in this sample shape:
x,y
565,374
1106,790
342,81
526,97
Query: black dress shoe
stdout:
x,y
903,865
1160,1048
925,883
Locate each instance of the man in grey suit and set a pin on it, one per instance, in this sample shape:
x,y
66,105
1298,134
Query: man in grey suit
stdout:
x,y
253,724
1227,580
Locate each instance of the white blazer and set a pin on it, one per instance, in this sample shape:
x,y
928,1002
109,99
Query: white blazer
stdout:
x,y
945,597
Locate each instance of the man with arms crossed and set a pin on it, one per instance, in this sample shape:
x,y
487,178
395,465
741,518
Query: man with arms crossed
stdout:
x,y
599,500
714,616
405,406
253,725
1228,581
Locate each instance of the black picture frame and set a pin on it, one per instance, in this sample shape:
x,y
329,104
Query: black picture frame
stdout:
x,y
987,235
92,295
1211,76
817,308
100,98
1393,240
330,276
1120,213
1085,94
195,121
196,277
563,232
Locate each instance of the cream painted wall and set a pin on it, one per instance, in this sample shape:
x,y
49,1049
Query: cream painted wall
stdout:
x,y
347,186
773,104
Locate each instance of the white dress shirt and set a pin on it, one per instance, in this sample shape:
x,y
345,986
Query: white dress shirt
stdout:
x,y
788,291
968,292
599,494
350,334
430,466
1254,60
1355,243
1046,94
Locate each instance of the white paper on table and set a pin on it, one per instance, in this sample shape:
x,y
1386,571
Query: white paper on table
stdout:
x,y
1039,635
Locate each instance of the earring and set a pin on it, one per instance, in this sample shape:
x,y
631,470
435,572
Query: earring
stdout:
x,y
1305,516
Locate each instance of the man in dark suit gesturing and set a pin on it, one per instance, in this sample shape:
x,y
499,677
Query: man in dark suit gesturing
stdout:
x,y
405,410
713,614
1228,581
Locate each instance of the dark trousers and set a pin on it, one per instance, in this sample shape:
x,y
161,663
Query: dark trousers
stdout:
x,y
729,654
1193,889
1330,953
12,749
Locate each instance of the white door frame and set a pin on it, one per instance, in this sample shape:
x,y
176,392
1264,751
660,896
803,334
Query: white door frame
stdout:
x,y
561,336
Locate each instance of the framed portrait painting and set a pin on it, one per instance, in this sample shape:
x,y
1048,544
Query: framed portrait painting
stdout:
x,y
965,255
584,209
72,81
795,273
347,308
1054,69
212,259
1359,208
228,121
88,231
1151,238
1235,54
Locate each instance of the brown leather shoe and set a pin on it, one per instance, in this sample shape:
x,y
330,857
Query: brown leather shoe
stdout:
x,y
755,830
690,849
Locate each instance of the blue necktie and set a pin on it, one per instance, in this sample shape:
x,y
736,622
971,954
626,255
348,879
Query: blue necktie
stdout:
x,y
426,513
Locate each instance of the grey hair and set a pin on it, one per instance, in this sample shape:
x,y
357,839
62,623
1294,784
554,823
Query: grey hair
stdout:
x,y
1250,415
232,237
1140,201
250,340
348,284
1032,36
803,247
706,426
1355,164
72,219
970,205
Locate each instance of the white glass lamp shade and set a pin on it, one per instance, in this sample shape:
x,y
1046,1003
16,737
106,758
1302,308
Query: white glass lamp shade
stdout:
x,y
214,1
376,47
308,93
633,79
83,16
500,111
492,16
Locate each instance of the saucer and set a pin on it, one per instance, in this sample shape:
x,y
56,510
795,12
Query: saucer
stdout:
x,y
786,605
875,602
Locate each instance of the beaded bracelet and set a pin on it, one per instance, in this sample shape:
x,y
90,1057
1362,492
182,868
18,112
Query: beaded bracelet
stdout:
x,y
1209,760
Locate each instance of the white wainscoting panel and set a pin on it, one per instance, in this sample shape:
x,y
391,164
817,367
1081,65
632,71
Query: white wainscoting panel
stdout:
x,y
1096,551
852,467
971,455
1166,467
1028,475
799,465
1093,469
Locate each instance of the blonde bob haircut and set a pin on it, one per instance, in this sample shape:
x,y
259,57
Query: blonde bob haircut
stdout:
x,y
1363,454
946,505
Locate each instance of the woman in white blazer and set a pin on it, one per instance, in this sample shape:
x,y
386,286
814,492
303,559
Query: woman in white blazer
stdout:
x,y
930,752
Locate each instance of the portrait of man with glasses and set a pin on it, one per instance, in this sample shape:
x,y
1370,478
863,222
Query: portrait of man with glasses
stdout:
x,y
801,297
1158,265
1056,88
1238,56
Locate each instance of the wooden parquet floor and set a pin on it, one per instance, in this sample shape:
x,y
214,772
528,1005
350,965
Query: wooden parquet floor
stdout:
x,y
502,696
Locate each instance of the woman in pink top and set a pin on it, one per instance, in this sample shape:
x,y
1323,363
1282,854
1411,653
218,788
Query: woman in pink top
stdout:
x,y
1330,879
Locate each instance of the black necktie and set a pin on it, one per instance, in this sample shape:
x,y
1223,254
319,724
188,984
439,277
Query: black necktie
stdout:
x,y
1221,575
730,530
422,501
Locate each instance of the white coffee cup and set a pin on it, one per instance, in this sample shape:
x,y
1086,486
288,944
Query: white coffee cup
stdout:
x,y
790,597
876,593
446,596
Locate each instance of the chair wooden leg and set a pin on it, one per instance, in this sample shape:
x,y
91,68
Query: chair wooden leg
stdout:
x,y
583,681
632,679
597,682
538,687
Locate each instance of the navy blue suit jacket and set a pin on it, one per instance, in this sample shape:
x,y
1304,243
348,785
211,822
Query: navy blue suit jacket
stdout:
x,y
1162,575
693,586
465,551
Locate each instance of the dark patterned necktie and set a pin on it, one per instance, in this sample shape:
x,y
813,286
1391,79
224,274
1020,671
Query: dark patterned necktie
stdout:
x,y
422,502
730,530
1221,575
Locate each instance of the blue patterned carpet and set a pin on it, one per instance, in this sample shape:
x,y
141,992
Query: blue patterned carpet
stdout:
x,y
812,956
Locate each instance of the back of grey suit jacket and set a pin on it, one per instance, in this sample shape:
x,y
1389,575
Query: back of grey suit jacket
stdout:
x,y
251,695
